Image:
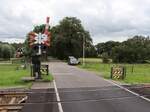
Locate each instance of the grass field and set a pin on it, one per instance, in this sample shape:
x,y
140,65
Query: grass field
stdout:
x,y
136,73
10,75
47,78
92,60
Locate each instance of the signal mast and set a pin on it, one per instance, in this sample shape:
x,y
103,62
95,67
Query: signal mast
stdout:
x,y
39,40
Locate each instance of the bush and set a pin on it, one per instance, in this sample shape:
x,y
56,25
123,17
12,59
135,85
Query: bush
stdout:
x,y
105,58
6,51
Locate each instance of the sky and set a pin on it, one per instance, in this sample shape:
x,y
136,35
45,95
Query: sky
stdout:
x,y
105,19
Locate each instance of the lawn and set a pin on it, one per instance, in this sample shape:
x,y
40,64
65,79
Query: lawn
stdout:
x,y
93,60
135,74
10,75
47,78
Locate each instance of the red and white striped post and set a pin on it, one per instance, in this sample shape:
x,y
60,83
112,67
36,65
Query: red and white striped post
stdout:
x,y
46,26
47,33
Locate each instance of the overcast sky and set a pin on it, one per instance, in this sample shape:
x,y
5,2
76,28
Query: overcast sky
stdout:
x,y
104,19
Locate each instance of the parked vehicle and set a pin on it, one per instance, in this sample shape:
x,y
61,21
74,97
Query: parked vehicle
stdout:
x,y
73,61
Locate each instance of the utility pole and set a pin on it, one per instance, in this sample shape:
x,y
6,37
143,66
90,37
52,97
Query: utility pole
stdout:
x,y
83,47
83,58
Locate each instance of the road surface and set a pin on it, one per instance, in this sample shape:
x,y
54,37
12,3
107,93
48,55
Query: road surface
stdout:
x,y
77,90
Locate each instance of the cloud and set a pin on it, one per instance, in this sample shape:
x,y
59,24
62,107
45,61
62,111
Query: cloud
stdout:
x,y
105,19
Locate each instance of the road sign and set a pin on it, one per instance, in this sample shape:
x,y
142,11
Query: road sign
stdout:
x,y
32,38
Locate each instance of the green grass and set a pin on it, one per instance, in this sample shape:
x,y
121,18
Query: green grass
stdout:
x,y
93,60
135,74
10,76
47,78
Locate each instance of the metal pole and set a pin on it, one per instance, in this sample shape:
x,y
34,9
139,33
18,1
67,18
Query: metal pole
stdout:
x,y
39,42
83,58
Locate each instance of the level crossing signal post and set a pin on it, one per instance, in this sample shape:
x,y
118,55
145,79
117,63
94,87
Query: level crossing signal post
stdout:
x,y
39,43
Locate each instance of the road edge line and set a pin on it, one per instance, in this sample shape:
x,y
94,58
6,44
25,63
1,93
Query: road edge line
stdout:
x,y
57,97
134,93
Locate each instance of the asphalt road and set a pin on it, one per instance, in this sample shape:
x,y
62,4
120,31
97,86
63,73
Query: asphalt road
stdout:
x,y
83,91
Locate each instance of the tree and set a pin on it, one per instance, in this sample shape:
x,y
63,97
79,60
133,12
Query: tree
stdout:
x,y
40,28
27,51
7,51
134,50
68,37
17,45
106,48
105,58
90,50
1,50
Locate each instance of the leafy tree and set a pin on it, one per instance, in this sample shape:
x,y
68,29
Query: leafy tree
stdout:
x,y
1,50
106,48
105,58
7,51
40,28
68,37
134,50
17,45
27,51
90,50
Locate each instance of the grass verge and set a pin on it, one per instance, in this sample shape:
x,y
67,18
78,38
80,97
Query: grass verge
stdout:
x,y
10,75
47,78
135,74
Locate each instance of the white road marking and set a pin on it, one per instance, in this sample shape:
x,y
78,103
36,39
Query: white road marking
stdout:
x,y
57,97
128,90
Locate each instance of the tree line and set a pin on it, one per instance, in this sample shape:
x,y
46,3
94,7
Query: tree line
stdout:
x,y
68,36
133,50
67,39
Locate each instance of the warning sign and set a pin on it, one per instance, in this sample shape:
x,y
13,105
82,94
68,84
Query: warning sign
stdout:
x,y
118,72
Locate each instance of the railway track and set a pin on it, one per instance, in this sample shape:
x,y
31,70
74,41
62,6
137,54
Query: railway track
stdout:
x,y
15,100
23,100
12,102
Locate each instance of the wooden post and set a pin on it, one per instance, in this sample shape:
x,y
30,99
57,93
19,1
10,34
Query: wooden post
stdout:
x,y
132,69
